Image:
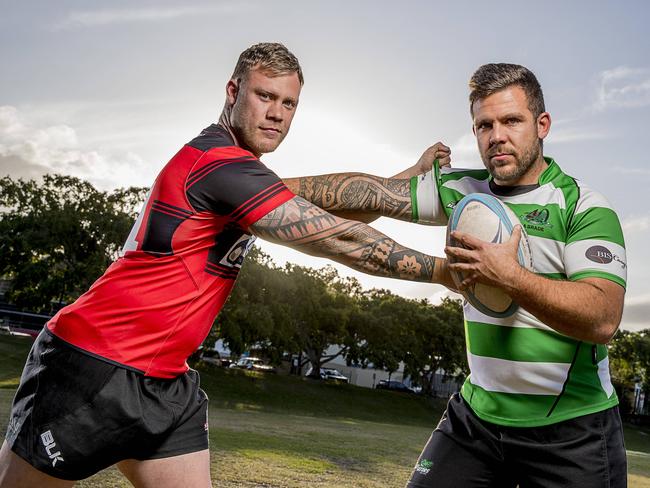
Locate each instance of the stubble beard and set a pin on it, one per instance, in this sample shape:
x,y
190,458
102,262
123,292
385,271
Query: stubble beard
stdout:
x,y
249,139
524,163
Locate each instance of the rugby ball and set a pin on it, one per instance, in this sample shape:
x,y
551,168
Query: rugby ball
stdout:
x,y
487,218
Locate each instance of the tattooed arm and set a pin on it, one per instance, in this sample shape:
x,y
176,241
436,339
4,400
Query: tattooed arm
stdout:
x,y
307,228
347,193
363,197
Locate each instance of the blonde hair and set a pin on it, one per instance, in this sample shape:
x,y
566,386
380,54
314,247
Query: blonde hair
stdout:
x,y
271,57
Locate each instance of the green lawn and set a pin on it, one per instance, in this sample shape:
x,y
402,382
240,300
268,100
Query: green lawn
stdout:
x,y
276,431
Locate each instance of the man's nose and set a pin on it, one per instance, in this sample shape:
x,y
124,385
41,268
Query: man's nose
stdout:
x,y
275,112
498,134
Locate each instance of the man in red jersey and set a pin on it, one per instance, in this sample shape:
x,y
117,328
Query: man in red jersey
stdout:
x,y
107,381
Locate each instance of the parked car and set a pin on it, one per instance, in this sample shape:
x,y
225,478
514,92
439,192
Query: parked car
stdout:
x,y
253,364
210,356
393,385
330,374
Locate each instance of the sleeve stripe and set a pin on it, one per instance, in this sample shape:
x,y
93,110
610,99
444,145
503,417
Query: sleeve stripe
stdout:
x,y
170,209
255,213
414,199
170,213
257,200
201,173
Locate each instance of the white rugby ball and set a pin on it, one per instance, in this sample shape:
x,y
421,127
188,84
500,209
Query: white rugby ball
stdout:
x,y
487,218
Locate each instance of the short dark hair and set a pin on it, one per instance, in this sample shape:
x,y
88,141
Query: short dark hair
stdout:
x,y
271,57
493,77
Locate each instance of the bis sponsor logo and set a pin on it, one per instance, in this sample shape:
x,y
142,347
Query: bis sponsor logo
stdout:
x,y
602,255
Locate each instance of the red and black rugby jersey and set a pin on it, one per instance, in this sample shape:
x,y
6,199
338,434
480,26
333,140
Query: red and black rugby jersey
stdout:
x,y
155,305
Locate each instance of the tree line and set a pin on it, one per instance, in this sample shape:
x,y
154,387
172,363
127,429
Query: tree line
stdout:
x,y
59,234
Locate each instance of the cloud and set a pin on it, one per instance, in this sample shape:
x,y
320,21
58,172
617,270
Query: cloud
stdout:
x,y
634,225
631,171
574,134
464,152
636,313
623,87
91,18
27,151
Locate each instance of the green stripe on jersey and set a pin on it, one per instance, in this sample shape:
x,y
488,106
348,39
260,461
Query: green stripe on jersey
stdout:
x,y
414,199
596,223
597,274
519,343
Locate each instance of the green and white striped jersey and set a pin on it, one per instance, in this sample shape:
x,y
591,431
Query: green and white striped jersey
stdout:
x,y
523,373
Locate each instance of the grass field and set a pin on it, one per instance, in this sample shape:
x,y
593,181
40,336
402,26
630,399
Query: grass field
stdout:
x,y
273,431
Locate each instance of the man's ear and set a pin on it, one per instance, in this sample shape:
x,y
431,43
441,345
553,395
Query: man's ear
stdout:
x,y
232,90
543,124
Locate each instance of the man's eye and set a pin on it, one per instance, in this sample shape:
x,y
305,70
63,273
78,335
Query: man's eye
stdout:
x,y
289,104
265,96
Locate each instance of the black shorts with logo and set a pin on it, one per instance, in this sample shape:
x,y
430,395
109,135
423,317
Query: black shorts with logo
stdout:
x,y
75,414
465,451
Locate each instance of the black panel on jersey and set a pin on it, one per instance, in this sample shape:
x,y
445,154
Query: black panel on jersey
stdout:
x,y
164,219
511,191
230,183
213,136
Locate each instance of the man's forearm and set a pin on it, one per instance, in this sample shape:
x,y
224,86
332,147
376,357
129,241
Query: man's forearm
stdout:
x,y
309,229
589,309
356,193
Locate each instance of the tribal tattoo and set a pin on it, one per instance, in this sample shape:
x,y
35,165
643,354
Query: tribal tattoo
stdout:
x,y
357,192
302,225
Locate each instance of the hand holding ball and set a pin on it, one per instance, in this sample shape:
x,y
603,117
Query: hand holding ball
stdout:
x,y
488,219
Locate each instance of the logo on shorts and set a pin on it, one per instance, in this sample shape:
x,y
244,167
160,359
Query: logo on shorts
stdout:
x,y
424,466
50,445
602,255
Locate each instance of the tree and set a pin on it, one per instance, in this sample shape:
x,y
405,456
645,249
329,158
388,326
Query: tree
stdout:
x,y
320,312
629,359
58,236
379,330
436,342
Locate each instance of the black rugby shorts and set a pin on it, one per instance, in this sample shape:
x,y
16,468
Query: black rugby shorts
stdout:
x,y
75,414
465,451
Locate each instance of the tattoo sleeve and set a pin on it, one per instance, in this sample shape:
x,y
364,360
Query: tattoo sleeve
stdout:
x,y
306,227
356,192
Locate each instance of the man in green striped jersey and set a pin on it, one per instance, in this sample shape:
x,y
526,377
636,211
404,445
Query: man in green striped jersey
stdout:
x,y
538,408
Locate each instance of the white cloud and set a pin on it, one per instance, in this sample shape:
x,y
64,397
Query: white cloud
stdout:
x,y
464,152
634,224
573,135
623,87
91,18
631,171
29,151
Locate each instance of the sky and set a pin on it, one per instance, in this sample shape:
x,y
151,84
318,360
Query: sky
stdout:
x,y
109,91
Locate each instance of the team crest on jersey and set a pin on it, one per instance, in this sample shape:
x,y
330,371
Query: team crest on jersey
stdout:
x,y
537,219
